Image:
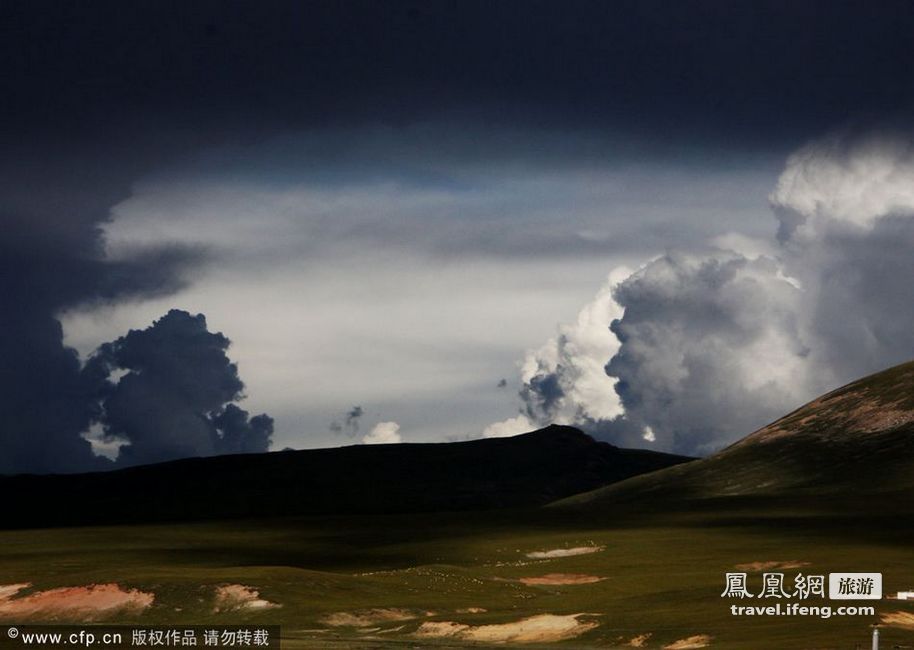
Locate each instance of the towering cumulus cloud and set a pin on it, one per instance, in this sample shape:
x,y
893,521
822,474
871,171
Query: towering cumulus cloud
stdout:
x,y
711,345
176,395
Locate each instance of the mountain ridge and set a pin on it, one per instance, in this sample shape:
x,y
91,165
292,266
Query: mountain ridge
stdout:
x,y
523,471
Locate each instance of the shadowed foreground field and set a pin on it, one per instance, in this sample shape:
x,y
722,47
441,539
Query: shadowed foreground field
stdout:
x,y
405,580
637,563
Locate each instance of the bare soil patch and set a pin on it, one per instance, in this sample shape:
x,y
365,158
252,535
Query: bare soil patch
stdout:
x,y
564,552
690,643
371,617
767,566
561,579
232,598
85,603
543,628
903,620
639,641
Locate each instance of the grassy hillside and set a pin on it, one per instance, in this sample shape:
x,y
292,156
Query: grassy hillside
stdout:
x,y
852,450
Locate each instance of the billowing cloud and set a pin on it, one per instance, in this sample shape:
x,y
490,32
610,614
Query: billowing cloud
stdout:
x,y
383,433
239,434
846,210
709,345
175,396
844,179
563,381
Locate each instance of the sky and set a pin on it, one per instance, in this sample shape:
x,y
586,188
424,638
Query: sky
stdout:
x,y
234,226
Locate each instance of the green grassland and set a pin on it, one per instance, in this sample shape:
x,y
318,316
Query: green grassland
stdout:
x,y
664,571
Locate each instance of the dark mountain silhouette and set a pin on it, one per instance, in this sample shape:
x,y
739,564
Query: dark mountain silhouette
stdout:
x,y
851,449
527,470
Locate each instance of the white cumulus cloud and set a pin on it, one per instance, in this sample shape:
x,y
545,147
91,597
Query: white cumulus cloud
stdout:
x,y
509,427
383,433
564,380
848,178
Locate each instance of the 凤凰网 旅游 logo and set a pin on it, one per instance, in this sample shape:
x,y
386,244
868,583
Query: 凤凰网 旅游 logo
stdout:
x,y
841,586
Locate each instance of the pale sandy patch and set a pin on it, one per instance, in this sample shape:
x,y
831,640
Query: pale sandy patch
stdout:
x,y
639,641
904,620
690,643
8,591
561,579
472,610
86,603
543,628
437,629
232,598
564,552
767,566
370,617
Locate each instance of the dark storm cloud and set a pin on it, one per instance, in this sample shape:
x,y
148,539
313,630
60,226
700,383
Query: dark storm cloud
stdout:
x,y
350,422
45,403
51,259
176,398
542,394
702,67
240,434
45,398
353,416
